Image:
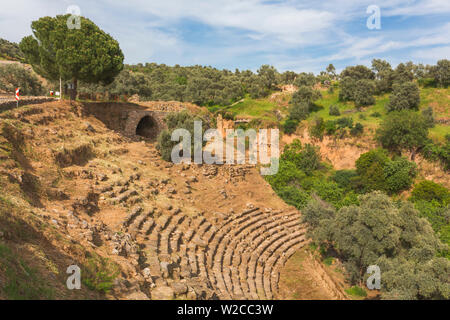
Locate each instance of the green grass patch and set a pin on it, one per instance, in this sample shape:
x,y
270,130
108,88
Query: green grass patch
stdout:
x,y
99,273
21,281
328,261
254,108
356,291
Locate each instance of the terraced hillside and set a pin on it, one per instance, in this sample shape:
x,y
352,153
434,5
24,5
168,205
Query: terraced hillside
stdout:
x,y
155,230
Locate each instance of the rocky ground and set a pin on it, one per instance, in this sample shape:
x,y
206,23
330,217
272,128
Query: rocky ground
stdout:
x,y
173,231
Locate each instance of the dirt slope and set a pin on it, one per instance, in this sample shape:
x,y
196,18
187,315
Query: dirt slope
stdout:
x,y
73,191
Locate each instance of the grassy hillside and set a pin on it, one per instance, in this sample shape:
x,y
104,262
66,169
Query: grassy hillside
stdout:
x,y
265,109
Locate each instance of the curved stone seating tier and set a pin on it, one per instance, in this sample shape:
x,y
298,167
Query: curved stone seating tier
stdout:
x,y
239,258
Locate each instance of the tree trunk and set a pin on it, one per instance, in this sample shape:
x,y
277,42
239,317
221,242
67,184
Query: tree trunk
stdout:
x,y
73,93
413,154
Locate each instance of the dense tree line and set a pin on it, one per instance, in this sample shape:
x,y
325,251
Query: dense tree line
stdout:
x,y
204,86
10,50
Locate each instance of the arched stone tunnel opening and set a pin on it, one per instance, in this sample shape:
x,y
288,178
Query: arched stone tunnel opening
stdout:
x,y
147,128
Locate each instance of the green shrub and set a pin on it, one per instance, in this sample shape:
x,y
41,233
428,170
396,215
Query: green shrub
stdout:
x,y
294,196
178,120
436,152
309,159
344,178
317,128
357,130
430,191
328,261
328,191
334,110
405,96
426,82
399,175
290,126
347,85
330,127
10,50
370,167
377,172
356,291
376,114
441,73
345,122
428,115
99,274
363,92
299,111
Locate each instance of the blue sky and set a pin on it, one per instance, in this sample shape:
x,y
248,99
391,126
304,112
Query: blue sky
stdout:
x,y
289,34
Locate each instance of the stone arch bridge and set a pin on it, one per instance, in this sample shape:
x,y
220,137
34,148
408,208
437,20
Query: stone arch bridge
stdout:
x,y
134,120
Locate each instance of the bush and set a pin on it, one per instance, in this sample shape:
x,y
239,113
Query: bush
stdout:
x,y
14,76
437,152
305,79
316,211
290,126
308,159
377,172
344,178
294,196
357,130
405,96
442,73
299,111
99,274
10,50
317,129
381,232
370,167
178,120
345,122
331,89
428,115
328,191
330,127
376,114
363,93
334,111
426,82
356,291
347,86
399,175
430,191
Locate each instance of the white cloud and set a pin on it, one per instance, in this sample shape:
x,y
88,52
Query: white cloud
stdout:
x,y
431,55
302,34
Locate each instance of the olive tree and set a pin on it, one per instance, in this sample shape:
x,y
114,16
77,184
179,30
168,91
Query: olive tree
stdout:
x,y
403,130
405,96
